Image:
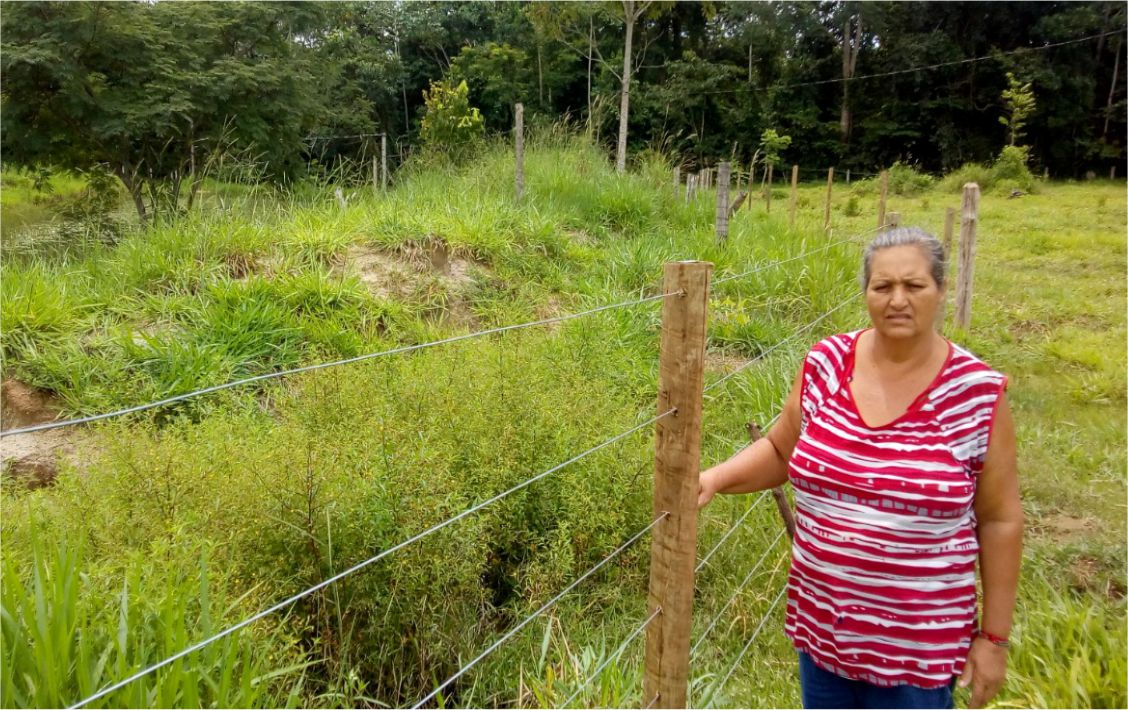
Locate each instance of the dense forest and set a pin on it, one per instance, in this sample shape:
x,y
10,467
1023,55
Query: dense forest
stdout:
x,y
149,91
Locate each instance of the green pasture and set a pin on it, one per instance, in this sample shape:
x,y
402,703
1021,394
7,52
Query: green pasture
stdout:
x,y
166,526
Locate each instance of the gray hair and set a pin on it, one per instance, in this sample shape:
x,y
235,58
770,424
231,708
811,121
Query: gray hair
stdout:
x,y
906,237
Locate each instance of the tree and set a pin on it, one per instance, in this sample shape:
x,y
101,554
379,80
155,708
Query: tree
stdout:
x,y
1019,100
632,11
150,91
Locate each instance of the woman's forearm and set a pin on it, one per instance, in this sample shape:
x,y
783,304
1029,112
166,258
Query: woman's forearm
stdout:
x,y
1000,556
756,468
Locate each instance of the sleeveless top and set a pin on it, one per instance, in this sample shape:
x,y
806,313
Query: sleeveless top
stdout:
x,y
882,581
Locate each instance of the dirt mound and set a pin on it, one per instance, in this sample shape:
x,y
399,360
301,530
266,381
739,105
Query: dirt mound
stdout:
x,y
414,271
33,457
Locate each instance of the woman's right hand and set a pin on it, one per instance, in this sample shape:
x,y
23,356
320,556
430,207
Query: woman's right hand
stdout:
x,y
706,488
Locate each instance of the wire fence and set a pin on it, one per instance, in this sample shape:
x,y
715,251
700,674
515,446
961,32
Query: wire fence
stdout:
x,y
438,690
320,366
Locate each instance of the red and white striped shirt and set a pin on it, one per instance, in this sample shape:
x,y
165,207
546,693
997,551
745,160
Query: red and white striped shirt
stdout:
x,y
882,582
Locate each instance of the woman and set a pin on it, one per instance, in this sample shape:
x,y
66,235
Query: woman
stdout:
x,y
900,448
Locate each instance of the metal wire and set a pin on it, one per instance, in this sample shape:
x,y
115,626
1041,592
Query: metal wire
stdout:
x,y
731,530
805,329
736,593
805,254
361,565
652,701
323,365
547,605
748,645
618,652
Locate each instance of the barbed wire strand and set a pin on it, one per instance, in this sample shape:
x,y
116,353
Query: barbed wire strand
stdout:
x,y
751,639
333,363
733,528
652,701
805,329
772,265
361,565
910,70
735,594
545,607
618,652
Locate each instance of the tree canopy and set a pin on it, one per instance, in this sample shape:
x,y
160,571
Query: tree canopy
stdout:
x,y
144,89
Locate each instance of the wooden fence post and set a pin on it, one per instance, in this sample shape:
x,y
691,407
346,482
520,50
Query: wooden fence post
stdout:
x,y
677,181
751,182
723,177
969,223
673,547
519,111
847,177
829,189
768,204
881,200
794,195
949,225
893,220
384,161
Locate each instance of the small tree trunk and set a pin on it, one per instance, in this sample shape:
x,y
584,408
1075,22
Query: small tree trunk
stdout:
x,y
123,173
625,94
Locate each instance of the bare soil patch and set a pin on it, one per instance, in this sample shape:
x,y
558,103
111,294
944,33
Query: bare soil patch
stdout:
x,y
415,269
34,457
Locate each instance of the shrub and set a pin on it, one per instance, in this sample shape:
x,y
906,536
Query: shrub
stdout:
x,y
969,172
450,124
1008,172
906,180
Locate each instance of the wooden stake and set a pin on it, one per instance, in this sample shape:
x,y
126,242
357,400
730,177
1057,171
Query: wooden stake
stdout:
x,y
829,189
673,549
782,505
969,224
768,197
794,196
847,177
881,200
751,182
893,220
949,226
384,161
723,177
737,203
519,133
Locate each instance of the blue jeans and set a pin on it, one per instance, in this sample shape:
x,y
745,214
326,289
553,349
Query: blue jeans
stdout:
x,y
823,689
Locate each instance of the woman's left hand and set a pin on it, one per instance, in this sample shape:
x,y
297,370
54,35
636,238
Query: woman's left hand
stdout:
x,y
985,670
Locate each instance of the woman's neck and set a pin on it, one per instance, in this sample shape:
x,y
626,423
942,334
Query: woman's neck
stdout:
x,y
903,352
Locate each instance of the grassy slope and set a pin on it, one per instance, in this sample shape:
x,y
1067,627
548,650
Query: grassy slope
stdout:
x,y
1063,347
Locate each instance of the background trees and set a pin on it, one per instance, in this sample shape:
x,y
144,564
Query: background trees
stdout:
x,y
147,90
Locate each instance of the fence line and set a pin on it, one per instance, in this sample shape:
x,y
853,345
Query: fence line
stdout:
x,y
751,639
323,365
743,584
807,253
385,553
616,654
361,565
731,530
545,607
805,329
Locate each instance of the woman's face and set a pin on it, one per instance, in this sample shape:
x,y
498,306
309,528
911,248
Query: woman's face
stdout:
x,y
901,296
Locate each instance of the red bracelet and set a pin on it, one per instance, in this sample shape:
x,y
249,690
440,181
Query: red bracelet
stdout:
x,y
997,640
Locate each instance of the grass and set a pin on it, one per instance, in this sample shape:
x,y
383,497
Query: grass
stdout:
x,y
206,512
